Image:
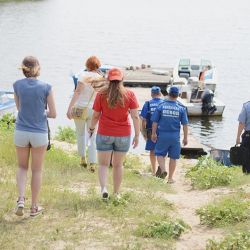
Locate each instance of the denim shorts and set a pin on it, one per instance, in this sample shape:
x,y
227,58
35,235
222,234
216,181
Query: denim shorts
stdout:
x,y
26,139
112,143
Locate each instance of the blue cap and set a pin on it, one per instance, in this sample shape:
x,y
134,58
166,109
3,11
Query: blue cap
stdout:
x,y
174,91
155,90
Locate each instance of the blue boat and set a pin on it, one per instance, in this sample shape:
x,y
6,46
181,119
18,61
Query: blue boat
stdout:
x,y
7,103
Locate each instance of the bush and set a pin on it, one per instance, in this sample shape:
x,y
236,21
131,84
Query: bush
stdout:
x,y
66,134
164,229
239,241
225,212
7,121
208,173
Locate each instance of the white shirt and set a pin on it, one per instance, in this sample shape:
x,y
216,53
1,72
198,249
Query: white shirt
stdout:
x,y
87,96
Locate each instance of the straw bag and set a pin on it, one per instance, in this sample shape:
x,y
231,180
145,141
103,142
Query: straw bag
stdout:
x,y
81,113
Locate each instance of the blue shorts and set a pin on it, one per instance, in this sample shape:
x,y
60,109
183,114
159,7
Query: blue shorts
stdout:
x,y
150,145
168,144
112,143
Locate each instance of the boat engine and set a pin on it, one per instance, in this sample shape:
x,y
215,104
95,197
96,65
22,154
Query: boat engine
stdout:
x,y
208,107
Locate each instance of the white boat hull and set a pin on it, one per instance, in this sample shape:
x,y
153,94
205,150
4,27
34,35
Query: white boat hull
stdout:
x,y
194,109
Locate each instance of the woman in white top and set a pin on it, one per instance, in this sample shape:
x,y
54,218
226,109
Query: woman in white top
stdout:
x,y
84,96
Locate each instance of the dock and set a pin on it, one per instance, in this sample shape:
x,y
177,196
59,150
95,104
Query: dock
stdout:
x,y
147,78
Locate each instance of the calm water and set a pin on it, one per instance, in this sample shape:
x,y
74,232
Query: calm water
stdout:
x,y
62,34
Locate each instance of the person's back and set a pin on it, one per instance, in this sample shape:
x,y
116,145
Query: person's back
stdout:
x,y
31,132
32,95
148,109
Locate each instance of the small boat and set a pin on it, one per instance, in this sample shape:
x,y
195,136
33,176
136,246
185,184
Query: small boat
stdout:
x,y
7,103
191,70
193,100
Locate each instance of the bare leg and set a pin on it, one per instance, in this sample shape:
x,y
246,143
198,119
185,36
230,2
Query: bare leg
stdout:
x,y
153,161
103,160
117,162
161,162
37,155
172,166
23,165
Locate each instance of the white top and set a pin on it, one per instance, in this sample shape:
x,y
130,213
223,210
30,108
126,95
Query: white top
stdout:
x,y
88,90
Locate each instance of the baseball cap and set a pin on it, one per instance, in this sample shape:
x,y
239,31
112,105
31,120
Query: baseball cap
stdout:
x,y
115,74
174,91
155,90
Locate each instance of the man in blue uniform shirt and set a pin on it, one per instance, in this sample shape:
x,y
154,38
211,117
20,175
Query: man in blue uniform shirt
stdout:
x,y
146,113
244,125
167,120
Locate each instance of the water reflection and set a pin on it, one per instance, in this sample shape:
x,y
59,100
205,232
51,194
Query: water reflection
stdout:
x,y
206,128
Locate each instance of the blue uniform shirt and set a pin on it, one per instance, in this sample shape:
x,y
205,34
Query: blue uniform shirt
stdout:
x,y
148,110
170,115
244,116
32,95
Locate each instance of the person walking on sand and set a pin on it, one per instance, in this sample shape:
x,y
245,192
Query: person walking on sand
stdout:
x,y
244,133
31,130
83,98
167,120
148,109
111,108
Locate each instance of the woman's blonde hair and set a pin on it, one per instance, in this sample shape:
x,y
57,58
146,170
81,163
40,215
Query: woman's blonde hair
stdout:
x,y
93,63
115,94
30,66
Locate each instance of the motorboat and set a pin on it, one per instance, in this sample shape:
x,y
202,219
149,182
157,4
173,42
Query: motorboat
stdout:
x,y
194,101
192,71
7,103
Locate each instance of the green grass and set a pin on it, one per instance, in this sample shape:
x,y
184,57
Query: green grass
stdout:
x,y
227,211
167,229
208,173
66,134
75,216
236,241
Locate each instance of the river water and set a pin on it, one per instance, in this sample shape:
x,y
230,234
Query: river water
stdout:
x,y
62,34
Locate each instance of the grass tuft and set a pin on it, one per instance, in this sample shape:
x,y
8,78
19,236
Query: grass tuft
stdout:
x,y
237,241
162,229
208,173
228,211
66,134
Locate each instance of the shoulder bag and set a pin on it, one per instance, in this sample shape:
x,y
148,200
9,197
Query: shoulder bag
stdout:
x,y
81,113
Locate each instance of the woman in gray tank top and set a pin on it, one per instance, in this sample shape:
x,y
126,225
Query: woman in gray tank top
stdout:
x,y
31,130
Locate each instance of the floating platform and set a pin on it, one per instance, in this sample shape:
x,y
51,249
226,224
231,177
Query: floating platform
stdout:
x,y
147,77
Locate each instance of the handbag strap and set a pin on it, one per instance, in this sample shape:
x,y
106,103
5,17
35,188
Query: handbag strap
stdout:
x,y
90,98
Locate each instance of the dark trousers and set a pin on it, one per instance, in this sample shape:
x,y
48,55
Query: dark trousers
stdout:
x,y
246,143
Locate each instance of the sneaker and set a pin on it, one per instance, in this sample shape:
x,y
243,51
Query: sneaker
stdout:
x,y
83,162
117,196
36,210
158,172
105,194
20,207
163,175
171,181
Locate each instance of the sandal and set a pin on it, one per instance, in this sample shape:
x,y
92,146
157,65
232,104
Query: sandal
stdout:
x,y
36,210
92,167
83,162
171,181
20,206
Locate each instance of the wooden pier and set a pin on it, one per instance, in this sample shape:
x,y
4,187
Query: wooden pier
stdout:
x,y
146,77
